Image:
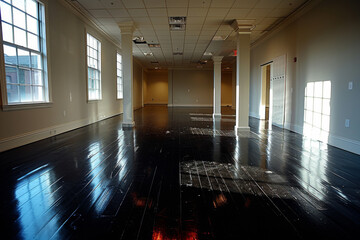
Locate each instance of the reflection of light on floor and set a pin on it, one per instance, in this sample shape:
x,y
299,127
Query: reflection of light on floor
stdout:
x,y
35,198
212,132
245,180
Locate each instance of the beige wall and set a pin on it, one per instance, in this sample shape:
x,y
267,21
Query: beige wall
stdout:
x,y
192,87
326,43
156,87
226,88
67,49
137,87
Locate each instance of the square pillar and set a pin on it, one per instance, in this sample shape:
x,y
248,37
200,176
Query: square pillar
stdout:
x,y
217,87
127,29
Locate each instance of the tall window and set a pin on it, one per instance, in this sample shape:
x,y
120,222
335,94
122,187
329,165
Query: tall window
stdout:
x,y
119,76
94,68
23,32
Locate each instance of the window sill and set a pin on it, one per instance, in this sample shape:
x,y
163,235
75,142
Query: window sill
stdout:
x,y
25,106
94,100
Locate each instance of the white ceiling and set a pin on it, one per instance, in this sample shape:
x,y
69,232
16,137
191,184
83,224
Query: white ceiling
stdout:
x,y
205,19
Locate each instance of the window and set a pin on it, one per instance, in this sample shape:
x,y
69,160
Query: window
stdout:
x,y
119,76
24,47
94,68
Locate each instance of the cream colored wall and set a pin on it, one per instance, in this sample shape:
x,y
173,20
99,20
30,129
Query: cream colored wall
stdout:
x,y
192,87
157,87
67,55
226,88
326,43
137,87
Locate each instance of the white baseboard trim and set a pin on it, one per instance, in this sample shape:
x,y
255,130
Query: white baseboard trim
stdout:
x,y
192,105
33,136
333,140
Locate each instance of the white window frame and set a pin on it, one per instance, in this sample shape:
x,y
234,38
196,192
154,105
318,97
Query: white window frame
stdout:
x,y
93,62
119,77
43,52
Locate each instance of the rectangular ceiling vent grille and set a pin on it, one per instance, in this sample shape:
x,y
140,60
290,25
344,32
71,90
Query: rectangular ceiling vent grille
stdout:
x,y
177,23
178,53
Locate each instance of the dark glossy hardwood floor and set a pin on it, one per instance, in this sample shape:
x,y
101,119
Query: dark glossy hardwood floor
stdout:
x,y
179,175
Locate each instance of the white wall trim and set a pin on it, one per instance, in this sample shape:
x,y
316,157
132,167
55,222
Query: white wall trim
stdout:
x,y
33,136
192,105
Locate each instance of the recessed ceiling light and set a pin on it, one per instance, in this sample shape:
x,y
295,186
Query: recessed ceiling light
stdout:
x,y
208,53
148,54
177,27
218,38
139,40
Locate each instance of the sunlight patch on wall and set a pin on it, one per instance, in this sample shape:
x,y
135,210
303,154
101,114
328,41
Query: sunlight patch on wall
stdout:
x,y
317,110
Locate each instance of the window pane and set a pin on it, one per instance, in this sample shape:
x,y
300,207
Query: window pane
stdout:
x,y
33,41
24,76
11,75
36,61
38,94
317,105
36,77
31,8
6,12
19,4
326,106
19,18
20,37
32,24
25,93
7,31
318,89
10,55
23,58
310,89
13,93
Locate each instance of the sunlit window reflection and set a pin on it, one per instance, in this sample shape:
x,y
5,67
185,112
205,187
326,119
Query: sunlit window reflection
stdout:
x,y
317,110
35,203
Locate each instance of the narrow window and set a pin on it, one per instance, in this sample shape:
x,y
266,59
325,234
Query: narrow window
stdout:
x,y
94,68
24,47
119,76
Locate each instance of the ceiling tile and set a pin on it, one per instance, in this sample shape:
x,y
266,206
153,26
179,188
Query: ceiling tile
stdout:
x,y
199,3
155,3
258,13
176,3
173,12
237,13
109,4
222,3
91,4
138,12
157,12
100,13
133,3
244,3
267,4
194,21
125,19
141,20
218,12
197,12
118,12
159,20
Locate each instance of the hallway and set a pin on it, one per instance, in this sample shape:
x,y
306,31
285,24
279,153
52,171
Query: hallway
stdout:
x,y
179,175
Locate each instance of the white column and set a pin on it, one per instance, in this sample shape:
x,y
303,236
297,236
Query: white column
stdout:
x,y
217,87
242,81
233,86
127,29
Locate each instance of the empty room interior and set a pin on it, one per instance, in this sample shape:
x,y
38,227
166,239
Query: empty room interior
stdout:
x,y
180,119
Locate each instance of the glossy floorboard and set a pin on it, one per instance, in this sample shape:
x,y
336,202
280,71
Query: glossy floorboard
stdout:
x,y
179,175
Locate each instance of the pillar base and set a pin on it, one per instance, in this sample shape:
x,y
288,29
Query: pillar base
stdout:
x,y
216,116
241,129
127,125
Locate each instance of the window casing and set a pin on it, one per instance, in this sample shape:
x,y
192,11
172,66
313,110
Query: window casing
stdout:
x,y
94,67
24,48
119,74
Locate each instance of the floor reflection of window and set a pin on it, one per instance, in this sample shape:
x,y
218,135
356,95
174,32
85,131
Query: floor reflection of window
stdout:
x,y
317,110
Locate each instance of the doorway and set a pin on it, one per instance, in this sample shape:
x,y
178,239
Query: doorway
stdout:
x,y
265,92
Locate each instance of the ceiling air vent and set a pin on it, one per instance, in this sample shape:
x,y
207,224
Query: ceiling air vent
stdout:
x,y
178,53
177,23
